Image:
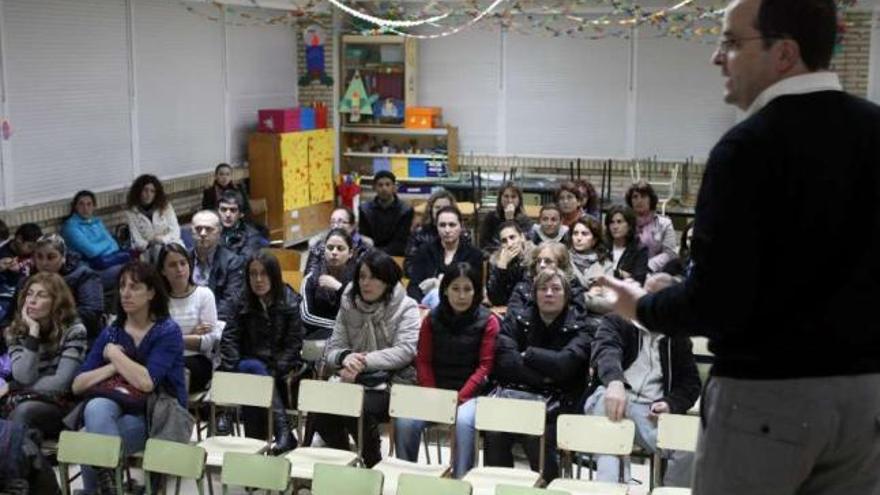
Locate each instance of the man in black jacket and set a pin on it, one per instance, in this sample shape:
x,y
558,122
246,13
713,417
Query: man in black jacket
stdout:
x,y
792,405
239,236
386,219
216,267
643,374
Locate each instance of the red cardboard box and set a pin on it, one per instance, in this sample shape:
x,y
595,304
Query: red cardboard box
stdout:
x,y
278,120
424,117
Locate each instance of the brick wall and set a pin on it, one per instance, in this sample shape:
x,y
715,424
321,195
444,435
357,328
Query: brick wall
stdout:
x,y
851,62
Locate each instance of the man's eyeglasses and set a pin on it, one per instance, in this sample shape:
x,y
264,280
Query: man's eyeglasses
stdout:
x,y
725,45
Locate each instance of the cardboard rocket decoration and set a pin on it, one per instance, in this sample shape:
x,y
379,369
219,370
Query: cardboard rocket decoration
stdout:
x,y
315,70
356,101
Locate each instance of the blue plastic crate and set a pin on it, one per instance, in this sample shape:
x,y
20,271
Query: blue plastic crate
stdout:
x,y
418,167
307,118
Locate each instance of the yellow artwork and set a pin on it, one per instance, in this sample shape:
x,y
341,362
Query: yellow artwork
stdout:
x,y
295,169
400,167
320,165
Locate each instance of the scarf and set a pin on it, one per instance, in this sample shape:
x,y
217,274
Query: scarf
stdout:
x,y
583,261
645,229
376,316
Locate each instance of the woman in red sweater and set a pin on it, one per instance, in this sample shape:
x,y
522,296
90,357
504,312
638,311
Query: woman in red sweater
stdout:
x,y
456,351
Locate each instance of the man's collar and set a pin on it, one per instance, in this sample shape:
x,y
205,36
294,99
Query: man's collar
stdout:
x,y
796,85
210,254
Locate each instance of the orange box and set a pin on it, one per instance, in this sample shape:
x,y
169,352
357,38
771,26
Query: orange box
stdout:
x,y
424,117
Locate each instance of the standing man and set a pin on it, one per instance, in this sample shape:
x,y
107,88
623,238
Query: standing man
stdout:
x,y
386,219
793,404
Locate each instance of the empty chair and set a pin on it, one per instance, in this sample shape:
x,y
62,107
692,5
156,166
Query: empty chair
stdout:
x,y
255,472
238,389
432,405
524,417
674,432
341,399
592,435
174,459
416,484
89,449
345,480
525,490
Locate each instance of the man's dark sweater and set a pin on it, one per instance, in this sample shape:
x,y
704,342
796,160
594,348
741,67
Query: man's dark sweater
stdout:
x,y
786,244
388,226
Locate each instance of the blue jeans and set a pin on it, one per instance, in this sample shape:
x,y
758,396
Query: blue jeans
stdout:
x,y
255,424
104,416
408,433
680,464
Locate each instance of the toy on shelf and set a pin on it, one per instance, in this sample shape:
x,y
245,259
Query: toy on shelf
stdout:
x,y
389,109
315,67
356,102
347,188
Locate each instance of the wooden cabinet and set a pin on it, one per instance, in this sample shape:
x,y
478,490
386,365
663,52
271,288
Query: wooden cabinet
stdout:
x,y
293,172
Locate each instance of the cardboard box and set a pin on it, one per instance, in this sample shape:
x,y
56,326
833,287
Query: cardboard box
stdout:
x,y
303,223
437,168
424,117
400,167
418,167
381,164
278,120
307,119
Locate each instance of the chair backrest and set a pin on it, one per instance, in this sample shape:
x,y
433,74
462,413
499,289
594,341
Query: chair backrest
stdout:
x,y
90,449
527,490
594,434
288,259
525,417
701,346
427,404
175,459
345,480
255,471
313,350
242,389
416,484
293,278
678,432
341,399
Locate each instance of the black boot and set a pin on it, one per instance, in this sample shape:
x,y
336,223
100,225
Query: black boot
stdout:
x,y
222,426
284,440
106,481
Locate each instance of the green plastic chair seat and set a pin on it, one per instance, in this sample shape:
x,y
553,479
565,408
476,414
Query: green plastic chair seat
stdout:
x,y
304,459
585,487
484,479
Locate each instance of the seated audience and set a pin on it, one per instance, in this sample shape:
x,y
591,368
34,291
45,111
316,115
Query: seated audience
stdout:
x,y
450,247
152,221
629,257
549,226
589,261
86,234
265,338
542,353
47,344
508,208
373,344
322,287
193,309
223,182
341,218
654,231
51,256
508,266
386,218
140,352
589,202
569,199
426,232
643,374
216,267
455,352
16,264
239,235
547,256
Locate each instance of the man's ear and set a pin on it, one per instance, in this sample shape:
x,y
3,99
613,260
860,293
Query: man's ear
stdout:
x,y
788,55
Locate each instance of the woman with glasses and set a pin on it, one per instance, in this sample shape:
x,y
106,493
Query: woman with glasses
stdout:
x,y
341,218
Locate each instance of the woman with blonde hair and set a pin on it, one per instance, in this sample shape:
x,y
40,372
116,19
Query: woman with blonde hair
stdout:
x,y
47,345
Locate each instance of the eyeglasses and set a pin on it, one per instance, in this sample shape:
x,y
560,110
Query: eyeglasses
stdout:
x,y
725,45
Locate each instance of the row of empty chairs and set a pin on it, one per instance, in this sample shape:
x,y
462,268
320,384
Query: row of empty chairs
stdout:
x,y
575,434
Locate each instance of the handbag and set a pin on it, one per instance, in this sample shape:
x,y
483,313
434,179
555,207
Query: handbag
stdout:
x,y
116,388
167,419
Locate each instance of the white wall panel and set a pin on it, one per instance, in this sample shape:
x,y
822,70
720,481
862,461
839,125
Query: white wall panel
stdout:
x,y
262,74
462,74
66,66
680,110
178,60
566,96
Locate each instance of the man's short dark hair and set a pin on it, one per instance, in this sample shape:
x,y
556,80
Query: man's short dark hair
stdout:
x,y
384,174
28,232
811,23
231,196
